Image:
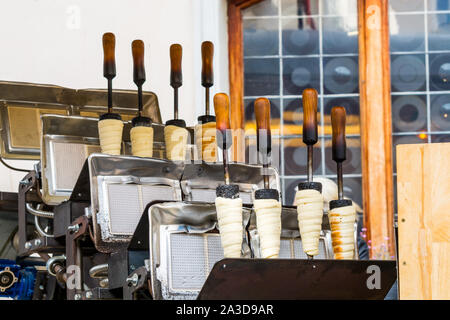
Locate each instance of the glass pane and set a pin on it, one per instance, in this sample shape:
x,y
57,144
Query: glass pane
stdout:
x,y
438,5
440,112
345,8
263,8
408,72
299,74
406,5
409,113
261,77
440,138
439,31
340,35
300,36
340,75
295,157
407,32
290,186
299,7
261,35
352,165
439,71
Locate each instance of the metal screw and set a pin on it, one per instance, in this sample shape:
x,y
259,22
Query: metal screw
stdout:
x,y
24,182
77,296
73,228
28,245
37,242
224,266
88,295
133,280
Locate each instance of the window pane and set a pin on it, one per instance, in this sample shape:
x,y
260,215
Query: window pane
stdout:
x,y
261,35
407,32
299,74
340,35
440,112
409,113
340,75
299,7
408,72
261,77
300,36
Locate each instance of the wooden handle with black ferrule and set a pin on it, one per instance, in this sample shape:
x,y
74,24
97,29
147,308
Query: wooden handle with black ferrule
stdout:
x,y
339,147
176,77
207,64
309,99
137,48
109,59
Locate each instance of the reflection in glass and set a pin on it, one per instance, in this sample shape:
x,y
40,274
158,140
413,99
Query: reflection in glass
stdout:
x,y
409,113
261,77
439,31
406,5
408,72
300,36
260,37
407,32
438,5
299,7
440,138
295,157
251,152
340,35
299,74
440,113
439,71
340,75
263,8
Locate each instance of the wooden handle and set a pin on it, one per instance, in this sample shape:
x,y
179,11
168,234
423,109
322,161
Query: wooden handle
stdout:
x,y
137,48
309,116
338,125
262,114
207,64
222,109
176,77
109,59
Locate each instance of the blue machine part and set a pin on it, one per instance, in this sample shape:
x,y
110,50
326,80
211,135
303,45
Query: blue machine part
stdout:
x,y
16,282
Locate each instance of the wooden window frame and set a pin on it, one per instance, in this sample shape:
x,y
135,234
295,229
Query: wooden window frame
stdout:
x,y
375,113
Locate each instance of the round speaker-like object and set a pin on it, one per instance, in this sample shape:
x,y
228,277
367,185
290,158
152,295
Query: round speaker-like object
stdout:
x,y
261,77
408,73
338,41
409,114
353,162
300,41
341,75
440,72
440,112
296,159
299,74
260,42
407,39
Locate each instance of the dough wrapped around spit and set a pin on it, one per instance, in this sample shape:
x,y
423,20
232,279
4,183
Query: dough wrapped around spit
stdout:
x,y
229,217
309,213
205,140
142,141
268,223
110,135
342,223
176,142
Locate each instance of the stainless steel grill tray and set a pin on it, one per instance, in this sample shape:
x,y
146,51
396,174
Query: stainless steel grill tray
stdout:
x,y
66,143
120,188
184,246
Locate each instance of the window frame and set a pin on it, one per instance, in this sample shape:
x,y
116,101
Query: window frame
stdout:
x,y
376,127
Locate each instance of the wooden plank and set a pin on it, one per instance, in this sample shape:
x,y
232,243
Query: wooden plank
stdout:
x,y
375,115
236,75
423,189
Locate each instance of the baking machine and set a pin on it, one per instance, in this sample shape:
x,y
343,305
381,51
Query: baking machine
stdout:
x,y
126,227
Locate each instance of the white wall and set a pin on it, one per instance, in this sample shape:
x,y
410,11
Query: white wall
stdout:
x,y
59,42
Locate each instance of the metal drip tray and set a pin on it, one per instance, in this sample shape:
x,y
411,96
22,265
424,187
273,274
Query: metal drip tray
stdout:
x,y
65,148
120,189
184,246
200,181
